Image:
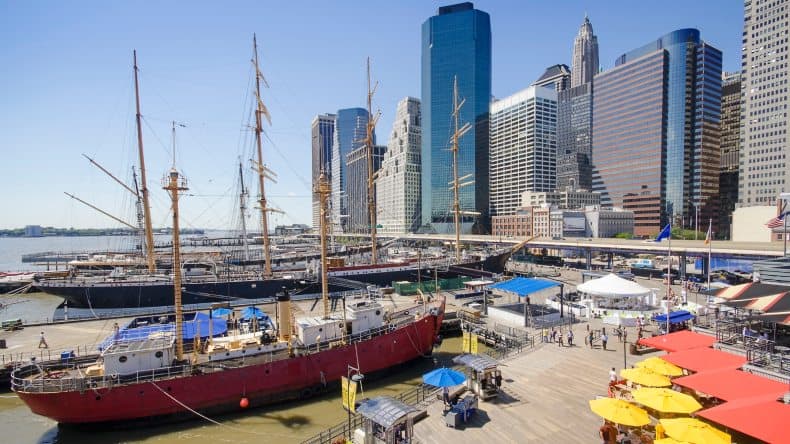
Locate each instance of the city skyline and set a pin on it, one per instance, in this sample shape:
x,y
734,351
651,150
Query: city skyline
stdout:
x,y
74,97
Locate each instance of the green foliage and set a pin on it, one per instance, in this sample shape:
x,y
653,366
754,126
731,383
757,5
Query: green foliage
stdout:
x,y
624,236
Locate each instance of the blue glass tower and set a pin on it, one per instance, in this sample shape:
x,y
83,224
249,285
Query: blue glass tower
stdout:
x,y
350,126
456,43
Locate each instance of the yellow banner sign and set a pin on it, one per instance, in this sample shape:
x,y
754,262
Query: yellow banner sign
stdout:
x,y
465,344
473,343
349,393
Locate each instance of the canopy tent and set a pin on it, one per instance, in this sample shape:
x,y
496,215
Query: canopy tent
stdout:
x,y
524,286
703,359
732,384
761,417
675,317
679,340
612,285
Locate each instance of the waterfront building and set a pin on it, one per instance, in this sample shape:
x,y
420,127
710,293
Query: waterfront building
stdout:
x,y
568,199
398,182
656,130
730,147
523,147
291,230
584,65
349,135
456,44
764,172
574,138
515,225
357,187
556,77
323,132
33,231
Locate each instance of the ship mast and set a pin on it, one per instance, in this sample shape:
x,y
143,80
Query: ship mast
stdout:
x,y
323,190
243,210
263,172
455,183
149,232
371,175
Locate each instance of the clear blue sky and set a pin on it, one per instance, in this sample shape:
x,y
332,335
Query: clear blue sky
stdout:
x,y
66,87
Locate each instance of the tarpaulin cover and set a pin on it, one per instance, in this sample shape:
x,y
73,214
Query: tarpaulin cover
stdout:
x,y
701,359
763,418
732,384
674,317
679,340
524,286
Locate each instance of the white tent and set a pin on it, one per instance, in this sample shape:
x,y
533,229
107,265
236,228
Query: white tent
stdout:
x,y
613,286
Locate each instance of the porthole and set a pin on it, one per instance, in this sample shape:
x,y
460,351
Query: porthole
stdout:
x,y
378,312
122,359
159,354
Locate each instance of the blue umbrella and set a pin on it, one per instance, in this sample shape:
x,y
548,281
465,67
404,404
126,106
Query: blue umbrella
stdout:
x,y
443,377
222,311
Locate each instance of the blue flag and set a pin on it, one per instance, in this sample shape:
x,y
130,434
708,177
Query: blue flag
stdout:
x,y
665,233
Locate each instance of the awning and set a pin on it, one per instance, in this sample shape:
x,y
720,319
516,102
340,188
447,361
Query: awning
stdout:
x,y
675,317
524,286
680,340
476,362
732,384
384,410
751,290
702,359
763,418
776,318
732,292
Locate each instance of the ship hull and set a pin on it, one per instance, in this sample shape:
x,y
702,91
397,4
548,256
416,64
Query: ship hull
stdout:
x,y
221,391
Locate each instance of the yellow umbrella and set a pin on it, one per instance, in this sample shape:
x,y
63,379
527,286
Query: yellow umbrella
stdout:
x,y
694,431
660,366
669,441
645,376
666,400
619,412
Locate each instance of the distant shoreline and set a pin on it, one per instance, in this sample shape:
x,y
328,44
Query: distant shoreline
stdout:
x,y
80,232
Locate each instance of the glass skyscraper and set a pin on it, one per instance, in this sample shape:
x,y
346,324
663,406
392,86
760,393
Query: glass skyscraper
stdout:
x,y
323,132
350,127
456,44
659,108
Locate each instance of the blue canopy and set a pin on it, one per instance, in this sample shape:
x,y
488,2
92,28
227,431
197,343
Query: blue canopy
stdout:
x,y
190,328
443,377
253,312
674,317
524,286
222,311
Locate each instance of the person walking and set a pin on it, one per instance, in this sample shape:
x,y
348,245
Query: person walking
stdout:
x,y
42,342
619,334
570,338
559,338
590,337
545,335
604,338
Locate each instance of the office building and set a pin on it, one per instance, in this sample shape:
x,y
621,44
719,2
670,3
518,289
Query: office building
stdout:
x,y
398,182
574,138
456,45
764,171
349,135
357,187
567,200
608,222
656,131
584,65
323,132
523,147
730,147
556,77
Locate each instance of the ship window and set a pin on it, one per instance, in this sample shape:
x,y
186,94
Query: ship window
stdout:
x,y
158,354
122,359
320,329
378,312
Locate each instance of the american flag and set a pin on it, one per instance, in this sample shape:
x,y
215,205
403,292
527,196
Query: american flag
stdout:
x,y
777,222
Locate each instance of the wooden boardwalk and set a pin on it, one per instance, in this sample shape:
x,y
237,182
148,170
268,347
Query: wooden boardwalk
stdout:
x,y
545,400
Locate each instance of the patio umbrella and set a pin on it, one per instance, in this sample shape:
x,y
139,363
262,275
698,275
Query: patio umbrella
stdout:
x,y
620,412
666,400
660,366
669,441
443,377
694,431
644,376
222,311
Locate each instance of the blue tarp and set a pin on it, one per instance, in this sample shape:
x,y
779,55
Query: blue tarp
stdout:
x,y
251,312
219,327
524,286
674,317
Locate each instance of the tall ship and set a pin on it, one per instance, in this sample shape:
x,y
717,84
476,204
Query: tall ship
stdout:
x,y
152,378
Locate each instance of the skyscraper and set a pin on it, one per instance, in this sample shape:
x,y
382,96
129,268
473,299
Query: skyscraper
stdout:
x,y
656,131
764,152
398,184
730,145
523,147
585,55
350,127
357,187
557,77
456,44
323,132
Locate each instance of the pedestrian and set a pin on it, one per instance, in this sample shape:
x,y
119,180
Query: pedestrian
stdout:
x,y
553,334
559,338
612,376
619,334
446,396
545,335
590,336
607,433
42,342
115,330
570,338
604,338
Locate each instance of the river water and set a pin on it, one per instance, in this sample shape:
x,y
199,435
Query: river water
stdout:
x,y
286,423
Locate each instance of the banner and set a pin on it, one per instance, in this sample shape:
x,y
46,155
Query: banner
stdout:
x,y
473,345
466,343
349,393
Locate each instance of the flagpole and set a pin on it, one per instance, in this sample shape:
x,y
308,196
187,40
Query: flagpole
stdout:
x,y
669,272
710,247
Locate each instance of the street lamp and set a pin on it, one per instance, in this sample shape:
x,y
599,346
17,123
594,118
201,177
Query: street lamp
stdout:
x,y
356,377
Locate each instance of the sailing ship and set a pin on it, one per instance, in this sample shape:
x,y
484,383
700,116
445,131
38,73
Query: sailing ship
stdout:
x,y
140,380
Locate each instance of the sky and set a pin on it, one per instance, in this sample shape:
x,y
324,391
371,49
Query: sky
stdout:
x,y
66,89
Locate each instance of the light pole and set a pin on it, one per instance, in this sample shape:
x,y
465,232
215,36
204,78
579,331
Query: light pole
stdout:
x,y
696,219
356,377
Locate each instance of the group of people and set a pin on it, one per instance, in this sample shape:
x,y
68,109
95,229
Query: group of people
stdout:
x,y
613,434
557,336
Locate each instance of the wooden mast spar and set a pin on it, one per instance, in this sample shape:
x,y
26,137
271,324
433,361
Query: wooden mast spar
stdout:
x,y
456,182
371,174
149,232
323,190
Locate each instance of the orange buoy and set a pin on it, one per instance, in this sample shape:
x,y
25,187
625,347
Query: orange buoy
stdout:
x,y
244,403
